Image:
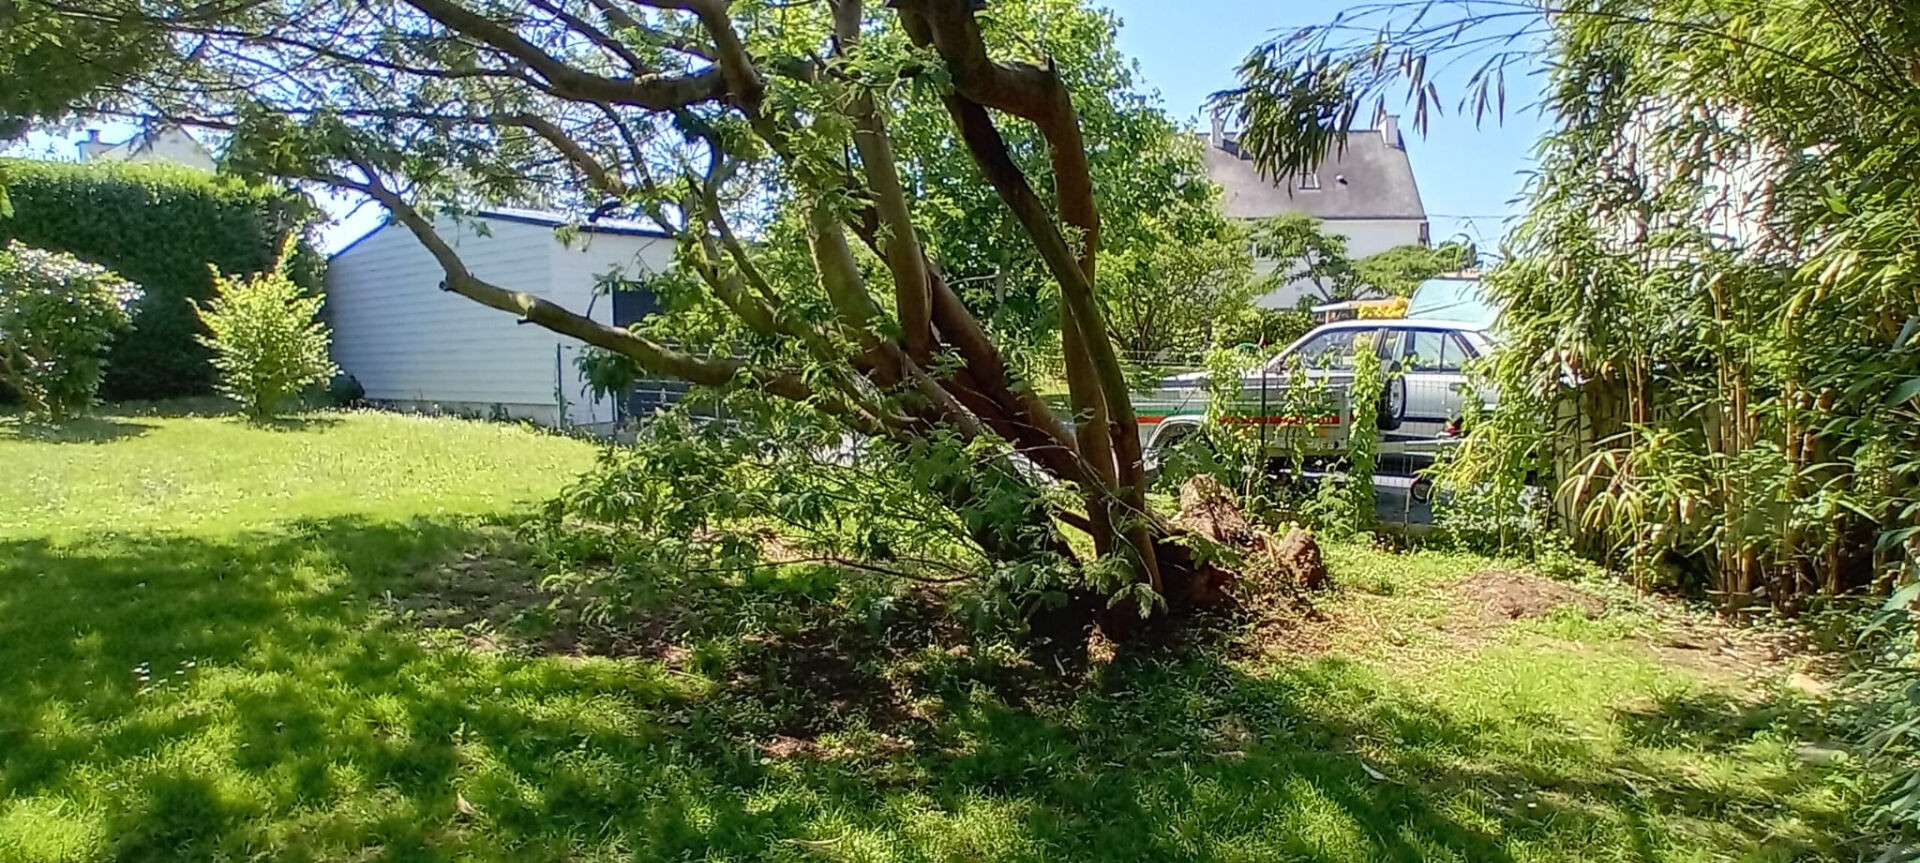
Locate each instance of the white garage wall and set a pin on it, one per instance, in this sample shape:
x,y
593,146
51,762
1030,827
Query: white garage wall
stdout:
x,y
578,267
407,341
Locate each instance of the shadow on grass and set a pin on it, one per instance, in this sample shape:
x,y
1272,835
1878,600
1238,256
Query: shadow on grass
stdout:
x,y
92,429
1717,722
298,419
191,406
277,695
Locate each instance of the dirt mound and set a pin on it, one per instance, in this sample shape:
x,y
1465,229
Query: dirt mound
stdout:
x,y
1502,596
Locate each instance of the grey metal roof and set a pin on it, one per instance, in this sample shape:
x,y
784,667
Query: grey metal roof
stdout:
x,y
1370,179
548,218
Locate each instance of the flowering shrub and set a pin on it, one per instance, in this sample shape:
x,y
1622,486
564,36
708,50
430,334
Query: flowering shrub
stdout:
x,y
57,314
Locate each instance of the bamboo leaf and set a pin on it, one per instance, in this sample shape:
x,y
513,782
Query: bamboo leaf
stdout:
x,y
1905,392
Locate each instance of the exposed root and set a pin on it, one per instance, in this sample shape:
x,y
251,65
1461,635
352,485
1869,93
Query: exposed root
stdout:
x,y
1289,565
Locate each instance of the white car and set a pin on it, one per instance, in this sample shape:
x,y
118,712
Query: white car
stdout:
x,y
1426,390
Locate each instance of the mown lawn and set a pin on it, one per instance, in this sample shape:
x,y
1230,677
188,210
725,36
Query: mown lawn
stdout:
x,y
219,642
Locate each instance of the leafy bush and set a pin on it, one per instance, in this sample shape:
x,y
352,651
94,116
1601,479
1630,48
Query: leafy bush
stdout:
x,y
1396,272
1228,452
700,501
268,340
57,314
160,227
1346,505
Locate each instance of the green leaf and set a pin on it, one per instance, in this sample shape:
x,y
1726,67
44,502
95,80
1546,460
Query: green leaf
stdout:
x,y
1905,392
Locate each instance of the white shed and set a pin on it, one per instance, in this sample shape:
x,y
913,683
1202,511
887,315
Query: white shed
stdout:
x,y
411,344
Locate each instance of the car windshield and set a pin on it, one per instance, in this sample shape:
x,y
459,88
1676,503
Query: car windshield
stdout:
x,y
1333,350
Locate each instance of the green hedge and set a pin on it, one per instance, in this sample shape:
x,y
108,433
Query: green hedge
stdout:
x,y
159,226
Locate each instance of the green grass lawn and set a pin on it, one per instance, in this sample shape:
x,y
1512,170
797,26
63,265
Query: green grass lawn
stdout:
x,y
322,642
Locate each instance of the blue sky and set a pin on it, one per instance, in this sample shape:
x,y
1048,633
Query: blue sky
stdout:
x,y
1468,174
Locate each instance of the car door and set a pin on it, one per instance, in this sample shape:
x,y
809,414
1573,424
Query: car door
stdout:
x,y
1329,356
1434,366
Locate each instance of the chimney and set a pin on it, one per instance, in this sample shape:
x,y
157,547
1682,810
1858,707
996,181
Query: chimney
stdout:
x,y
1219,137
93,136
1390,131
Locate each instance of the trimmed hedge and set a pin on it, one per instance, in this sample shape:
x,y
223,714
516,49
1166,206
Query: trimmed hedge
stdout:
x,y
159,226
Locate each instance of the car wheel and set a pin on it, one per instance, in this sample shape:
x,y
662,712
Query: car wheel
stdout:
x,y
1393,400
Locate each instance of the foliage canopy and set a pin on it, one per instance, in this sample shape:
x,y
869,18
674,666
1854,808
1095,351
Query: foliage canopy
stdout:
x,y
878,208
1710,307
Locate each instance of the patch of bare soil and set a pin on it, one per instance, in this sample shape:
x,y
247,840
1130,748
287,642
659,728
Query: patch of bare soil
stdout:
x,y
812,669
1713,648
1478,606
1499,596
1750,653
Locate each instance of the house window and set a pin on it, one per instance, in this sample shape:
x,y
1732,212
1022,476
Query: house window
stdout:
x,y
1309,181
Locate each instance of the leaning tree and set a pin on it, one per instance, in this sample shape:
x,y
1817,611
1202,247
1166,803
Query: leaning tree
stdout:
x,y
786,146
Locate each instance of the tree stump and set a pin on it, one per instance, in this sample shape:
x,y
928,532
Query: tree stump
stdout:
x,y
1207,509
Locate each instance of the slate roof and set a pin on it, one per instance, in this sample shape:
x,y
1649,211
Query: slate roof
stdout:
x,y
1370,179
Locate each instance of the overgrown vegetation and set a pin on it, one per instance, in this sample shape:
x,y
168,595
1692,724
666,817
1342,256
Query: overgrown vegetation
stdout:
x,y
1303,251
268,340
1170,296
1888,725
1260,439
1709,340
161,227
695,496
749,645
57,316
1272,328
1710,317
1368,392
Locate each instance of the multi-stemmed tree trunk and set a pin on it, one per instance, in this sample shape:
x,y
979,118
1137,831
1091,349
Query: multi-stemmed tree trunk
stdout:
x,y
758,134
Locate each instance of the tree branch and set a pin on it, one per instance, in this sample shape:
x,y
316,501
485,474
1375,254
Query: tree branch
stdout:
x,y
649,354
743,78
1038,95
595,34
653,92
904,257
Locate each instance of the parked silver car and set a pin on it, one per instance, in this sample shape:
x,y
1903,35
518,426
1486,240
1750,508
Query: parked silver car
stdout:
x,y
1426,391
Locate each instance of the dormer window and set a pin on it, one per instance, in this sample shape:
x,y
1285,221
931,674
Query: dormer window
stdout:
x,y
1308,181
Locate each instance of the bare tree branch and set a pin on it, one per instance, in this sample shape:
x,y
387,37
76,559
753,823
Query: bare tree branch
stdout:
x,y
650,355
